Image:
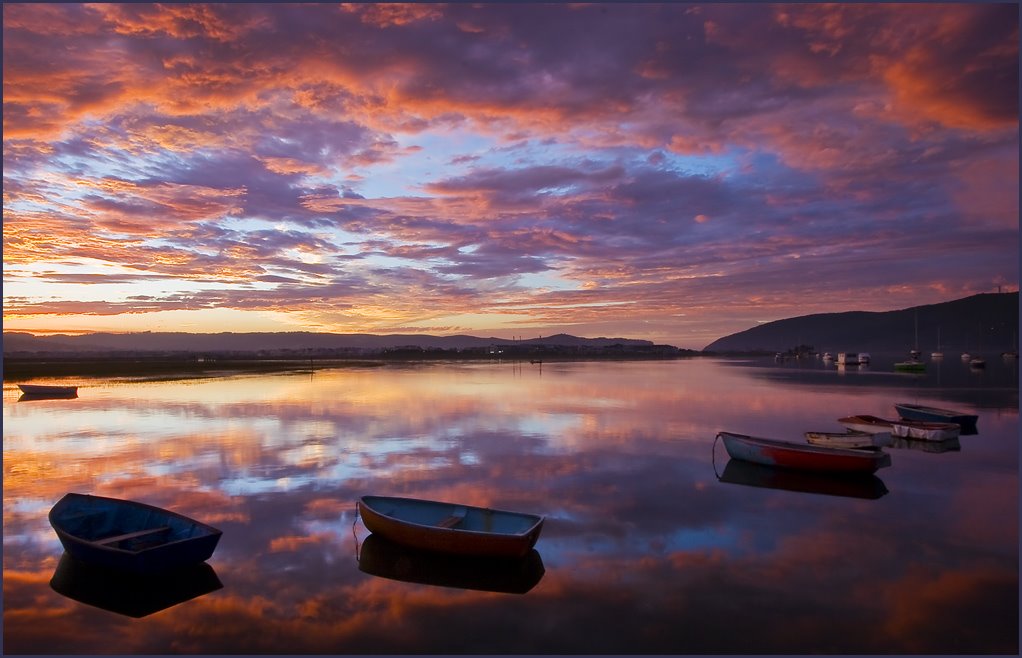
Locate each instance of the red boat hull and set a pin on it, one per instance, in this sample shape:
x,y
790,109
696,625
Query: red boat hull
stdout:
x,y
795,456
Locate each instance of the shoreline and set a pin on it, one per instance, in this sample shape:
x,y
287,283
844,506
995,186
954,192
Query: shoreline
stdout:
x,y
22,367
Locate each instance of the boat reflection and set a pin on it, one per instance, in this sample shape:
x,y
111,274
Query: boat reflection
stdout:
x,y
757,475
29,397
947,445
381,557
131,595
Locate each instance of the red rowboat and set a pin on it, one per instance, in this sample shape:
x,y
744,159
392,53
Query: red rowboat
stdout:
x,y
449,527
801,456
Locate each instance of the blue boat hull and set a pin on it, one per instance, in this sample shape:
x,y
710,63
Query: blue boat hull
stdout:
x,y
153,539
932,414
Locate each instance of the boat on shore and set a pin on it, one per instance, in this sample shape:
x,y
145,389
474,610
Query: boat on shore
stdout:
x,y
449,527
849,439
48,391
129,535
906,429
909,411
784,454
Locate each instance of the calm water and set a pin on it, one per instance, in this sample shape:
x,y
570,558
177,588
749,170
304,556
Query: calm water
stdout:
x,y
645,548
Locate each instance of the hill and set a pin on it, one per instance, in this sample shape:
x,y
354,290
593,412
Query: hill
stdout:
x,y
229,342
984,323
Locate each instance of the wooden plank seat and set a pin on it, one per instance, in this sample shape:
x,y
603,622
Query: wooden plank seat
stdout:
x,y
456,517
132,535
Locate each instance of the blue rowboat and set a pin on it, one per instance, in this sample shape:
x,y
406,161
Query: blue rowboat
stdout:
x,y
128,535
935,414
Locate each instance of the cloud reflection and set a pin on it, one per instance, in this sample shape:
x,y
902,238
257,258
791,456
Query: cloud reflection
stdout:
x,y
642,545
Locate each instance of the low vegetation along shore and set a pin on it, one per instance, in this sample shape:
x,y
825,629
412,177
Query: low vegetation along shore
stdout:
x,y
24,366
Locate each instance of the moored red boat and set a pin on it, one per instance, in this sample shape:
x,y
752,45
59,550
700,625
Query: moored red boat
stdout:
x,y
805,457
450,527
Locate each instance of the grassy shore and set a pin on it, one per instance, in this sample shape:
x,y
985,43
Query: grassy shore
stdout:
x,y
20,368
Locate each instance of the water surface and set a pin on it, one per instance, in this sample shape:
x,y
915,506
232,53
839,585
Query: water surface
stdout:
x,y
653,542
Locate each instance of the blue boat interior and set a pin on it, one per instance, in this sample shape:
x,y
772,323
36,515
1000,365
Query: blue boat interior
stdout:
x,y
122,526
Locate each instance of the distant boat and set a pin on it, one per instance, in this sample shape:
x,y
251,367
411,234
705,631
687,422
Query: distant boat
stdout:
x,y
906,429
827,356
848,358
749,474
935,414
378,556
966,356
131,594
849,439
977,363
912,365
784,454
450,527
128,535
864,358
45,391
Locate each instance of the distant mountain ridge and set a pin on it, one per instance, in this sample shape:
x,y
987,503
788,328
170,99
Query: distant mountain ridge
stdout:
x,y
278,341
986,322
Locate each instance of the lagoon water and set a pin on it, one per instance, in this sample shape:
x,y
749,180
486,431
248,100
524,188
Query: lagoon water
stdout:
x,y
653,543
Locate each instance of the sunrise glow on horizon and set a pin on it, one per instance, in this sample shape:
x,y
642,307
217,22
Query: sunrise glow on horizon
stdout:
x,y
669,172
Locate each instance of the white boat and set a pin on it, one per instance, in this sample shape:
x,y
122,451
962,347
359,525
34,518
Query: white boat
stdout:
x,y
977,363
850,439
864,357
848,358
966,356
906,429
925,431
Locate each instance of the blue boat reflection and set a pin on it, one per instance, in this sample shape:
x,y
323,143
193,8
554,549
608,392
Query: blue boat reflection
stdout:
x,y
131,595
757,475
381,557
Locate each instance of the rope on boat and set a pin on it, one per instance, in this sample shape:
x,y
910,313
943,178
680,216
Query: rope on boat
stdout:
x,y
353,532
713,455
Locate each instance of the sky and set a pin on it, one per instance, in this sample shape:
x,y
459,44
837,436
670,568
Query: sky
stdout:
x,y
670,172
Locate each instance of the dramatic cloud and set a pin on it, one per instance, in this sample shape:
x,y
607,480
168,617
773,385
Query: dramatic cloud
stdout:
x,y
503,168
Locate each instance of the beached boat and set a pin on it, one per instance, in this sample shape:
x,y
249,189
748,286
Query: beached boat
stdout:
x,y
450,527
849,439
784,454
749,474
48,391
909,411
906,429
381,557
128,535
